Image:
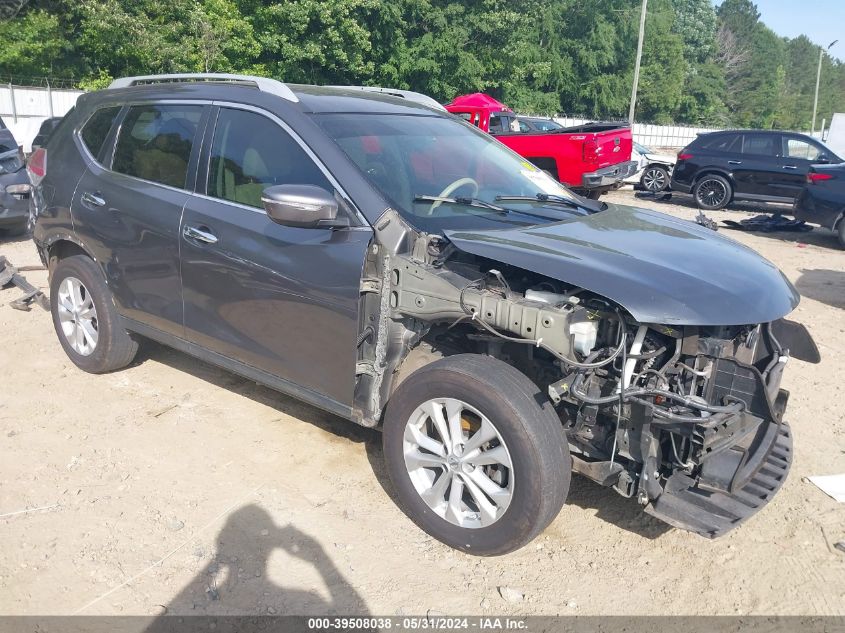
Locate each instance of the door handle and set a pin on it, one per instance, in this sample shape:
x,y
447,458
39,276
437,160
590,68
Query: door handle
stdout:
x,y
734,162
93,199
789,167
200,234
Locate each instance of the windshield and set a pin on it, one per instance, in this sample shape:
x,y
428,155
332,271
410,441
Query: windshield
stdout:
x,y
410,158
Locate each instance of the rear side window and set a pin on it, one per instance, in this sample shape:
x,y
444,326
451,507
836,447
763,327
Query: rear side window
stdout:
x,y
250,153
760,145
155,142
725,143
97,128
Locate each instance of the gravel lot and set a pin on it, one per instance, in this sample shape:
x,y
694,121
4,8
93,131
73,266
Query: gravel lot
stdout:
x,y
175,487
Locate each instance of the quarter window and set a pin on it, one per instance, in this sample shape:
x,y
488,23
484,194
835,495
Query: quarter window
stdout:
x,y
155,142
796,148
97,128
725,143
250,153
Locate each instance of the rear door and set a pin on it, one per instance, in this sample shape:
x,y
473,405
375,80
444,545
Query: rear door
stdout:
x,y
797,155
758,172
128,208
280,299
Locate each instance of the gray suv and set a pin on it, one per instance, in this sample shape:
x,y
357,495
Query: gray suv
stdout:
x,y
364,251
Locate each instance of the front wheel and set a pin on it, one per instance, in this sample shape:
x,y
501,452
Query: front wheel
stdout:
x,y
476,454
712,192
655,179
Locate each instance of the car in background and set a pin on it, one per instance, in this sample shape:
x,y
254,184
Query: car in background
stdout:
x,y
654,169
14,185
47,127
536,124
760,165
592,158
822,201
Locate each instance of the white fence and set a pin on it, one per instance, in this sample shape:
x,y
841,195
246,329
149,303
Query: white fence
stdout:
x,y
24,108
653,136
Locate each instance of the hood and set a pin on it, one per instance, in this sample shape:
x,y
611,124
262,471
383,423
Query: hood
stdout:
x,y
661,269
661,158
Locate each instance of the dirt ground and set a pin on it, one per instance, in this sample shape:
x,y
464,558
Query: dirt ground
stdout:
x,y
175,487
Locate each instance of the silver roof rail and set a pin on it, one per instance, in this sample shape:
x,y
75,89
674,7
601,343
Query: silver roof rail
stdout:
x,y
264,84
416,97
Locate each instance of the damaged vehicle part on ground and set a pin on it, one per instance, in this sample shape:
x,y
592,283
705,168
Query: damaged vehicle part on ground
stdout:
x,y
402,269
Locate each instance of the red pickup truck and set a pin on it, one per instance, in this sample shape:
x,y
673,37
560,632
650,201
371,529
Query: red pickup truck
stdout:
x,y
591,158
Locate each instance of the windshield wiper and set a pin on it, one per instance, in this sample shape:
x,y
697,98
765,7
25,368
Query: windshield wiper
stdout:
x,y
547,197
469,202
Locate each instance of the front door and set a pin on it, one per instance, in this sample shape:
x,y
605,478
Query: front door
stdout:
x,y
128,213
797,156
280,299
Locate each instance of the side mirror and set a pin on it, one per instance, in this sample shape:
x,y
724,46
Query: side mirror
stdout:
x,y
303,206
823,159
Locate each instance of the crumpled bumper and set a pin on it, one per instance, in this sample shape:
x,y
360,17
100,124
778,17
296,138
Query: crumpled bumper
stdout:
x,y
610,176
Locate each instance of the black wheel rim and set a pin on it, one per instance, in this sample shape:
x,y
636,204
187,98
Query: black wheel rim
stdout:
x,y
712,193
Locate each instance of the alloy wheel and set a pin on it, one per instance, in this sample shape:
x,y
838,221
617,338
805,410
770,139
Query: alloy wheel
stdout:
x,y
78,316
458,463
654,180
712,193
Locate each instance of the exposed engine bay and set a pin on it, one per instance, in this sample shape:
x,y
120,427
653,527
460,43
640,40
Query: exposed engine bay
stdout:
x,y
686,419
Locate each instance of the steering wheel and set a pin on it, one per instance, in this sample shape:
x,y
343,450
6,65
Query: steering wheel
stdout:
x,y
450,189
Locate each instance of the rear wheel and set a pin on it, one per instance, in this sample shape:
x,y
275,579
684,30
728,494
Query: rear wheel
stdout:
x,y
476,453
85,318
655,179
712,192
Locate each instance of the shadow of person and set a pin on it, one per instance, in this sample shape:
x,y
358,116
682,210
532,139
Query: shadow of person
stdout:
x,y
241,580
827,286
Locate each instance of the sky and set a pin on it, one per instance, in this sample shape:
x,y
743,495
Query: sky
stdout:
x,y
821,20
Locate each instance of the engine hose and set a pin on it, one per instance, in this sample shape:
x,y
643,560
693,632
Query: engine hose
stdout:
x,y
633,393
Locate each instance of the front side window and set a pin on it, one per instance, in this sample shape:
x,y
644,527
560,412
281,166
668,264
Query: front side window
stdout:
x,y
798,148
95,131
250,153
155,142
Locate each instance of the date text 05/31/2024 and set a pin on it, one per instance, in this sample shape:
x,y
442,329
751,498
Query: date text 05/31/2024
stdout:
x,y
427,623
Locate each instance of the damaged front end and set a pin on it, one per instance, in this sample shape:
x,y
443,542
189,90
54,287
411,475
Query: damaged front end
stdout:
x,y
687,419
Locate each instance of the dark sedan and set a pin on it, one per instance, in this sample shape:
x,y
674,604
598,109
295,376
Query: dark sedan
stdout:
x,y
822,201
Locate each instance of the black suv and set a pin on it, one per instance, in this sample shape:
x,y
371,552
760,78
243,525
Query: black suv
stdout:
x,y
372,255
768,166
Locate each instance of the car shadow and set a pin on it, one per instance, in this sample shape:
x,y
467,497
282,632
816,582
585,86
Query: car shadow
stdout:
x,y
151,350
5,238
606,504
245,578
826,286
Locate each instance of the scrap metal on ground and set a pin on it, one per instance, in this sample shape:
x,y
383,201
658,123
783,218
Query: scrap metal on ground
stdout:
x,y
11,275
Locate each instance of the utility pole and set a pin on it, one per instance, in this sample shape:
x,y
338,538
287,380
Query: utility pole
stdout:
x,y
637,65
818,77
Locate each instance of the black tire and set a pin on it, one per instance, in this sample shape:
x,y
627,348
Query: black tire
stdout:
x,y
526,423
712,192
115,347
840,232
593,194
655,179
